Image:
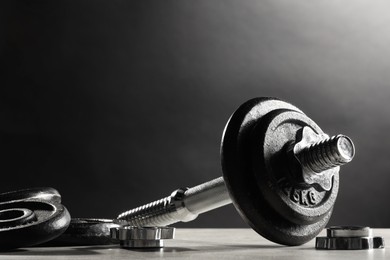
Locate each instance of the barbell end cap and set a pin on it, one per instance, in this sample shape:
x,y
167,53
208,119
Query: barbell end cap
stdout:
x,y
349,238
142,237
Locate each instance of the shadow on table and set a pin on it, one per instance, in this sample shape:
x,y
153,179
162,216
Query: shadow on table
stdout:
x,y
217,247
94,250
53,251
255,246
163,250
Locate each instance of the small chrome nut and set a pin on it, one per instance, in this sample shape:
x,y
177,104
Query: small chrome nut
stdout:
x,y
142,237
349,238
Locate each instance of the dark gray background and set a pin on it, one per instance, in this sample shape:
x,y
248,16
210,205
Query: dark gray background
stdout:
x,y
117,103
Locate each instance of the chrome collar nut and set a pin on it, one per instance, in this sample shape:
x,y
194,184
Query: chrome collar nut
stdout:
x,y
142,237
349,238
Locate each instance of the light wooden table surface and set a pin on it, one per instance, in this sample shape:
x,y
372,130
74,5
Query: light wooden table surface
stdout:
x,y
205,244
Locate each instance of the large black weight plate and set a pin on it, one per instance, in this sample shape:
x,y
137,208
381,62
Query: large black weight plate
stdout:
x,y
30,217
242,179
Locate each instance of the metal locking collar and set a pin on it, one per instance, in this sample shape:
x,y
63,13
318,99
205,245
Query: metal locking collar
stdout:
x,y
349,238
142,237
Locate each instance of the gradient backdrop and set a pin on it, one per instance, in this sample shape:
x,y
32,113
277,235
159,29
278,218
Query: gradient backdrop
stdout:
x,y
117,103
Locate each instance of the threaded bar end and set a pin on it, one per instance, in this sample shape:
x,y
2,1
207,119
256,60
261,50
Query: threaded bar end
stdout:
x,y
329,153
157,213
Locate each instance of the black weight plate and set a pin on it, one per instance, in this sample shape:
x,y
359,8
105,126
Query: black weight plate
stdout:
x,y
86,231
297,202
30,217
236,159
39,193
